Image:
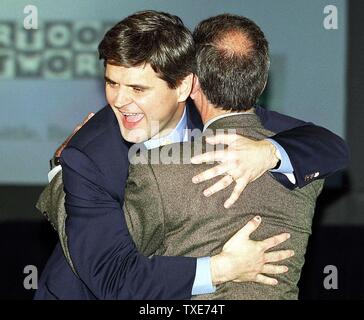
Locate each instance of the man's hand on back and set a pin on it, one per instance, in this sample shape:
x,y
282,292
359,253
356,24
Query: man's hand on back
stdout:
x,y
243,161
242,259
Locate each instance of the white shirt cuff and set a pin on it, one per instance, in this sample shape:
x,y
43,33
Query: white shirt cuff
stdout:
x,y
286,167
203,280
53,172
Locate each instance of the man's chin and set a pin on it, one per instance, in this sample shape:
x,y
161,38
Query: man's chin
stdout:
x,y
133,137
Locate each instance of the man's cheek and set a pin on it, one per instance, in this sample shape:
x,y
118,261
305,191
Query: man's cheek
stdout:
x,y
109,98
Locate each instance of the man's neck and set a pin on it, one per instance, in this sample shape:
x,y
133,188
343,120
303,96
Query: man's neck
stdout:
x,y
213,112
177,134
173,123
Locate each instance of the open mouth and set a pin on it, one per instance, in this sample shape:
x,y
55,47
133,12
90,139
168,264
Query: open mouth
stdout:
x,y
131,120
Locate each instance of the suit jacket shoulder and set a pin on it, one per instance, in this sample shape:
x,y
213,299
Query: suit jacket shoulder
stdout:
x,y
100,140
94,130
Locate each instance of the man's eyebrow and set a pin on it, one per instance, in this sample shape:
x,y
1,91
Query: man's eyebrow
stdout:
x,y
107,79
131,85
140,86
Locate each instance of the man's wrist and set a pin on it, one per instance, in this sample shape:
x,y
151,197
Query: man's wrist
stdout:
x,y
273,156
277,165
219,269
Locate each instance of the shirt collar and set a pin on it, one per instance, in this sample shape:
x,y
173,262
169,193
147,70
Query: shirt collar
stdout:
x,y
178,134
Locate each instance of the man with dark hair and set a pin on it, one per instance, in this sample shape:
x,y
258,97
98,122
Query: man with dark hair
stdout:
x,y
149,75
138,49
162,40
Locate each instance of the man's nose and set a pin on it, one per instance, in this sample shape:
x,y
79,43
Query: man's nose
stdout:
x,y
122,99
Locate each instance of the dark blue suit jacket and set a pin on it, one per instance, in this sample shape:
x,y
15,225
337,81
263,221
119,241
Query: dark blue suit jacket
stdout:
x,y
95,168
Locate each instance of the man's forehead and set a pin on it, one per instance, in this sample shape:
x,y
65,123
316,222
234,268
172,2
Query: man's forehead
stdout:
x,y
142,71
143,67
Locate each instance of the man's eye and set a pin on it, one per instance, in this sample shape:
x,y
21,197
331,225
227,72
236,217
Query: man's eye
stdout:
x,y
111,84
136,89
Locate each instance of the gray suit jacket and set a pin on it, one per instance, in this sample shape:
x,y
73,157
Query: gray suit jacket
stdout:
x,y
169,215
51,204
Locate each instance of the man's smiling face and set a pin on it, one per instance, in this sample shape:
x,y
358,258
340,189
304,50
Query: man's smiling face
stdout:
x,y
143,103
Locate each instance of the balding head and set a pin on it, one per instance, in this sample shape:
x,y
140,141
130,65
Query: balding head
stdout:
x,y
232,61
234,43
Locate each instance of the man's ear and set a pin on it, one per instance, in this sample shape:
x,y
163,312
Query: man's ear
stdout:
x,y
195,87
185,87
265,85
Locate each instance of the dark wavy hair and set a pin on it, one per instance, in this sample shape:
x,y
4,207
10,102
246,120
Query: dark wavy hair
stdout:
x,y
158,38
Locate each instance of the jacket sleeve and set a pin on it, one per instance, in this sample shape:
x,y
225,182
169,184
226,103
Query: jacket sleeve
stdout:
x,y
51,202
314,151
144,215
102,250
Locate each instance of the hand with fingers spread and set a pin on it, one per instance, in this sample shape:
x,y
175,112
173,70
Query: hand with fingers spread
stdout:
x,y
243,161
242,259
78,127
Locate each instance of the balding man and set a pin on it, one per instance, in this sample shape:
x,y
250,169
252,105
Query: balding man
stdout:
x,y
168,215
